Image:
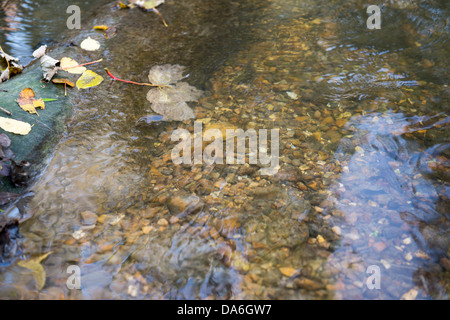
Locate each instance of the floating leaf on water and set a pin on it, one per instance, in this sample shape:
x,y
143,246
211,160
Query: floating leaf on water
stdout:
x,y
166,74
170,98
89,79
147,4
15,126
177,111
28,102
108,32
68,64
90,44
34,264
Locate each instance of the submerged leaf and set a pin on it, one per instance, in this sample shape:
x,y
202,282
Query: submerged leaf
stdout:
x,y
34,264
15,126
89,79
28,102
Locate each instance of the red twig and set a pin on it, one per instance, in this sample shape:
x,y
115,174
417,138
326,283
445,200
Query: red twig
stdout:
x,y
131,82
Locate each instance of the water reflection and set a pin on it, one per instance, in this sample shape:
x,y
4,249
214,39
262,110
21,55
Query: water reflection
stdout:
x,y
26,24
362,180
389,209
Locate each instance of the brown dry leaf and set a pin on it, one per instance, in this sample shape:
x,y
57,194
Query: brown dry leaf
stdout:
x,y
67,65
15,126
64,81
34,264
49,67
28,102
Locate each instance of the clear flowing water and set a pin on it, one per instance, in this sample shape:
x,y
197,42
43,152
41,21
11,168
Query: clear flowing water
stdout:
x,y
364,151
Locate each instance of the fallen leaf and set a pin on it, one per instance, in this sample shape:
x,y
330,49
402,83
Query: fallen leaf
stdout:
x,y
147,4
68,64
15,126
49,67
28,102
108,32
34,264
90,44
39,53
166,74
89,79
150,5
170,98
101,27
12,66
64,81
123,5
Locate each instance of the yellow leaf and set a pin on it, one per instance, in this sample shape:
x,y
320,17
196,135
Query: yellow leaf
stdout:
x,y
288,272
67,64
34,264
28,102
15,126
89,79
101,27
123,5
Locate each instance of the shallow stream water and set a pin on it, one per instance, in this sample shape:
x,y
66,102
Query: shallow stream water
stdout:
x,y
364,155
